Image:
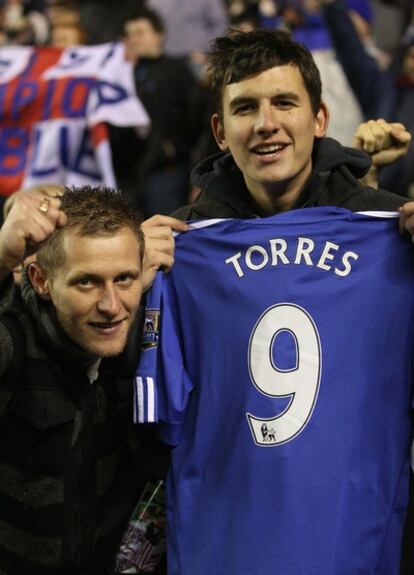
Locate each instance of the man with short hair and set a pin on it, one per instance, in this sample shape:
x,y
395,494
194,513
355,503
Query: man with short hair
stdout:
x,y
271,118
155,169
69,458
280,381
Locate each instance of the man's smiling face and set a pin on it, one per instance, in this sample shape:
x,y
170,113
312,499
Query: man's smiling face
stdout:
x,y
269,127
97,290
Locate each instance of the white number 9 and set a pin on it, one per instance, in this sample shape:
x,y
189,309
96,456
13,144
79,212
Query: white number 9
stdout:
x,y
301,382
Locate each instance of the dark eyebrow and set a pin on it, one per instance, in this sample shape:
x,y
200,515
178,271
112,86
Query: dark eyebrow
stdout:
x,y
286,96
84,274
242,100
134,273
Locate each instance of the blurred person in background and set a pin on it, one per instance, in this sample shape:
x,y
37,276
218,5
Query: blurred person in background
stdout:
x,y
66,28
391,18
382,92
104,19
156,167
190,26
66,35
63,12
23,22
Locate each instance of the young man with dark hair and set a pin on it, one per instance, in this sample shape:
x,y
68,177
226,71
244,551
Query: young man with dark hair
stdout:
x,y
155,169
270,122
70,460
279,377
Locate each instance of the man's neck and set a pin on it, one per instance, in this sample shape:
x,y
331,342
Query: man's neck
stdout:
x,y
267,203
280,197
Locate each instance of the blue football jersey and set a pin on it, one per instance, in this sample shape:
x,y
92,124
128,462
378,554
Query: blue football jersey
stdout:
x,y
278,362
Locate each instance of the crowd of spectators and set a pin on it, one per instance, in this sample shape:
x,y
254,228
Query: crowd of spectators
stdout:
x,y
363,48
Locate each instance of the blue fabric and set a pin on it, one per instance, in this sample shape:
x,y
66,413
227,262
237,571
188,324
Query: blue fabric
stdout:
x,y
314,33
283,376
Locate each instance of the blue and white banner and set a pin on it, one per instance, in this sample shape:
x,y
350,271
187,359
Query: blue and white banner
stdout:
x,y
54,106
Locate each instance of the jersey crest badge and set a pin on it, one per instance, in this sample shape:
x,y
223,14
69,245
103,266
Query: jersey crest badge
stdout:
x,y
151,329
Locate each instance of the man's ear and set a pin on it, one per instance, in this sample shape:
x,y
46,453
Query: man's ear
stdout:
x,y
218,131
321,121
40,282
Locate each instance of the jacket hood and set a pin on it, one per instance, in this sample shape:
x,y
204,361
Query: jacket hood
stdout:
x,y
329,155
219,176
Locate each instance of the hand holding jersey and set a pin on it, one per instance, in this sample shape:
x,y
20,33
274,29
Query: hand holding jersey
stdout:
x,y
407,219
159,245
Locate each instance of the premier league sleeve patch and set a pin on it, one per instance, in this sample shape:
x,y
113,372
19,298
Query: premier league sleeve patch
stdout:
x,y
151,333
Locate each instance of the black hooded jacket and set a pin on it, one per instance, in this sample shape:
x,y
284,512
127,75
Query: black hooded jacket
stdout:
x,y
333,182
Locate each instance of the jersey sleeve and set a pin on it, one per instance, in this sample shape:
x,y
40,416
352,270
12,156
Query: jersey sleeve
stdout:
x,y
162,386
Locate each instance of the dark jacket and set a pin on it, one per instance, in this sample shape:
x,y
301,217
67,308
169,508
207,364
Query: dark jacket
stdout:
x,y
333,182
69,474
166,88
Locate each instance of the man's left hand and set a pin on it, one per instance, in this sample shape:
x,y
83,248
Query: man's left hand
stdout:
x,y
159,245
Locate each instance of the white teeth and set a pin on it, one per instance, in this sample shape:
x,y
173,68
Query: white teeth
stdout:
x,y
269,149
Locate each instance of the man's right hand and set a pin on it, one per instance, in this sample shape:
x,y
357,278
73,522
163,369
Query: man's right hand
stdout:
x,y
46,190
32,218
